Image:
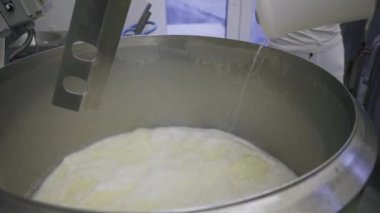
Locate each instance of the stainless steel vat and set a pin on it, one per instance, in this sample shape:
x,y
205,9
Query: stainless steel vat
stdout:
x,y
291,109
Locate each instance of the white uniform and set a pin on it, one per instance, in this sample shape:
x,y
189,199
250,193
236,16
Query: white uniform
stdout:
x,y
322,45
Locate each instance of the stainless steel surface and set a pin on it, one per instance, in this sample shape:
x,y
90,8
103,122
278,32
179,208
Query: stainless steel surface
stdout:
x,y
2,51
44,38
50,38
98,23
292,109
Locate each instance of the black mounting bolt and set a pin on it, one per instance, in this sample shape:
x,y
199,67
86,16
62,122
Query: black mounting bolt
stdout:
x,y
9,6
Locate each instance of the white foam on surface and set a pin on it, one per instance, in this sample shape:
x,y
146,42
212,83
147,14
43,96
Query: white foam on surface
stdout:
x,y
162,169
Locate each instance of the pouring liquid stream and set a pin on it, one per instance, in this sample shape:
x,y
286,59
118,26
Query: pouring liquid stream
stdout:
x,y
243,90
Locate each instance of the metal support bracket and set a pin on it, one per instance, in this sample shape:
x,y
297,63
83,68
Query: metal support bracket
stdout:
x,y
96,23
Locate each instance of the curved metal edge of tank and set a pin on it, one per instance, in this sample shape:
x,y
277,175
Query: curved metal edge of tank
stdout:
x,y
292,197
340,180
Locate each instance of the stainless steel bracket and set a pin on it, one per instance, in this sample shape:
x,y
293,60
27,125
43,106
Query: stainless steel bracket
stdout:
x,y
95,23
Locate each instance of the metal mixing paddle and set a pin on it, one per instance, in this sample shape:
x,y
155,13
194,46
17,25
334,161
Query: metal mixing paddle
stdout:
x,y
90,48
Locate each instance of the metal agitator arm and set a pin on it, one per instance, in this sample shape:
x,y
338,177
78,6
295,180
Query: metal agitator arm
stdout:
x,y
95,27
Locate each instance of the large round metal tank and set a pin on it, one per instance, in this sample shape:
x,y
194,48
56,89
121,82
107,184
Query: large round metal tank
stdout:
x,y
292,109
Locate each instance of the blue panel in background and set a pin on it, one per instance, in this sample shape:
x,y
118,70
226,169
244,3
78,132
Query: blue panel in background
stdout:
x,y
186,12
196,11
197,17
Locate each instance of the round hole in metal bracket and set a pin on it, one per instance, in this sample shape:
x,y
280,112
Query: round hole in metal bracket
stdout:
x,y
84,51
75,85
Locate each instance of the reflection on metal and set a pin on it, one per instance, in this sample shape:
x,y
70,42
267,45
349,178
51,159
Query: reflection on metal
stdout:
x,y
98,23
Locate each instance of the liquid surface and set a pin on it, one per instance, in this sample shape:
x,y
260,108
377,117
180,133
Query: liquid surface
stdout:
x,y
162,169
